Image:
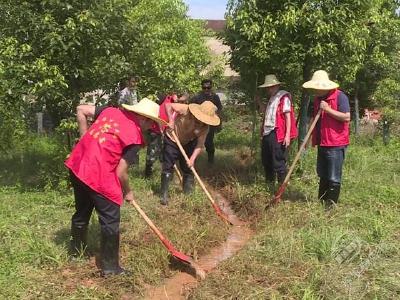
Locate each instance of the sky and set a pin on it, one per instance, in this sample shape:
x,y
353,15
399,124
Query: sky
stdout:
x,y
207,9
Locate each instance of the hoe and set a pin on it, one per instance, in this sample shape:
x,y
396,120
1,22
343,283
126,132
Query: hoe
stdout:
x,y
217,209
277,198
168,245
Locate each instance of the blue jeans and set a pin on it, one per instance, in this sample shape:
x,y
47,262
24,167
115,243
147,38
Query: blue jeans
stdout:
x,y
330,163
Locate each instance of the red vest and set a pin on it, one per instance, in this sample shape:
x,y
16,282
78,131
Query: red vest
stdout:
x,y
280,125
96,156
333,132
162,114
280,121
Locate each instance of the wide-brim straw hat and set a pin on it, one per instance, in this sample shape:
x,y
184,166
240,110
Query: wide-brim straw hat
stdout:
x,y
146,108
270,80
320,81
205,112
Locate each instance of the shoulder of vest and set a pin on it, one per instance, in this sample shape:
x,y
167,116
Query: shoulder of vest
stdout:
x,y
284,93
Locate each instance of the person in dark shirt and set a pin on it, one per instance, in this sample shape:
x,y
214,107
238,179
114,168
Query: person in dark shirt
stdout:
x,y
207,94
331,134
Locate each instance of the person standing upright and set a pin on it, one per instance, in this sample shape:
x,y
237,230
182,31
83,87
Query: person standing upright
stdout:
x,y
129,94
331,134
278,129
207,94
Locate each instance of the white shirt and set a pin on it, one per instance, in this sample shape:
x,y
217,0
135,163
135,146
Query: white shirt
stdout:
x,y
126,96
270,111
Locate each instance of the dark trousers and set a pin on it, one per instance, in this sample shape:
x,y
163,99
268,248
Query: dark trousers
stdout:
x,y
209,142
153,148
273,157
330,163
171,154
85,200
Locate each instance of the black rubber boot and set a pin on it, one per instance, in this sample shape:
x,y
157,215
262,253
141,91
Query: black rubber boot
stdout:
x,y
78,242
188,181
270,182
109,252
165,180
148,171
211,157
323,189
269,176
332,194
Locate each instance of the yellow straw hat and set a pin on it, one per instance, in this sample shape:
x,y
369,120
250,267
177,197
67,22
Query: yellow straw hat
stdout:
x,y
270,80
146,108
205,112
320,81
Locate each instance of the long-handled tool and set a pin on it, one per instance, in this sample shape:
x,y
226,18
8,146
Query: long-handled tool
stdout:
x,y
178,173
283,186
217,209
175,253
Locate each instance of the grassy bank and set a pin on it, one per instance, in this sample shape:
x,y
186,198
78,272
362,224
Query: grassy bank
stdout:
x,y
300,250
34,237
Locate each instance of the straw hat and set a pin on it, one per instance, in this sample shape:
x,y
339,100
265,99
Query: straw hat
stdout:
x,y
320,81
205,112
270,80
146,108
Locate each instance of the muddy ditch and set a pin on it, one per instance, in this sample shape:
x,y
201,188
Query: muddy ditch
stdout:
x,y
179,286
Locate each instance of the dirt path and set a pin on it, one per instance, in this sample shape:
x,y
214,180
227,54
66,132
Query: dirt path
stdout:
x,y
178,286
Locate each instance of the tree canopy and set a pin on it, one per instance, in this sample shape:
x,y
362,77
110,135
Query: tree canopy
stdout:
x,y
347,38
52,51
296,37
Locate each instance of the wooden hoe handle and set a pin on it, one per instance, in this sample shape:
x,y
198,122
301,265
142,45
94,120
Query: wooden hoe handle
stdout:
x,y
215,206
278,195
148,221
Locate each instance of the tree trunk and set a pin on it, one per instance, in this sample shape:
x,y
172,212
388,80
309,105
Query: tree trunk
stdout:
x,y
255,132
386,132
305,101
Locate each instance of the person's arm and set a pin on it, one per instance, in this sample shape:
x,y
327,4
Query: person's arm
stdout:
x,y
171,108
199,147
286,141
218,103
287,107
338,115
83,112
129,157
183,99
195,99
122,173
192,158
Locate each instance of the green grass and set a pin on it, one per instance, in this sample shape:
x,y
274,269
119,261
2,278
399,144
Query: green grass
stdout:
x,y
300,251
34,237
296,253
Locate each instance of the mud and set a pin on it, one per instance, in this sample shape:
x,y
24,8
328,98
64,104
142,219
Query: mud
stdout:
x,y
179,286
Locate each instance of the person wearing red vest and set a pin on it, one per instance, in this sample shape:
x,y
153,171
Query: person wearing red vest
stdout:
x,y
154,145
331,134
98,167
277,130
